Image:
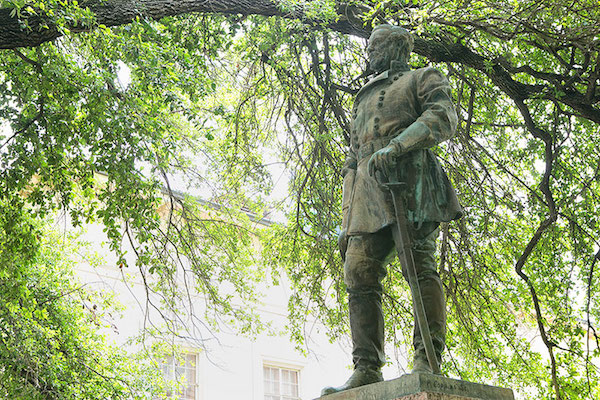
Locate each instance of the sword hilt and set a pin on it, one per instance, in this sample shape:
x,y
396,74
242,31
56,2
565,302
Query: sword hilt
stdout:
x,y
396,185
393,183
397,188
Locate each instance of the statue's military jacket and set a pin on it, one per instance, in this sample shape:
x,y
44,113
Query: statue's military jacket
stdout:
x,y
415,110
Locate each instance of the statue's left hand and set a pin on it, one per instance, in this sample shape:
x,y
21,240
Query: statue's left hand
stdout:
x,y
384,160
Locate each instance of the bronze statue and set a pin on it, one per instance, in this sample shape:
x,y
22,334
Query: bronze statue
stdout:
x,y
397,116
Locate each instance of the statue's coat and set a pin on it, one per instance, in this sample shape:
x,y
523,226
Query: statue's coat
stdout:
x,y
414,109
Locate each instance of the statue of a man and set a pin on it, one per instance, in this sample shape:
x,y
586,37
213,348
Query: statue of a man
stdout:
x,y
397,116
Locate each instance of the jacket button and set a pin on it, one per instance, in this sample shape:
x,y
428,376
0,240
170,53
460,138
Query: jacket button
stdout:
x,y
376,119
382,92
379,105
381,98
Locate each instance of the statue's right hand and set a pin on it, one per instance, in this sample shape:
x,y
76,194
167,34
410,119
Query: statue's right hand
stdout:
x,y
343,244
384,160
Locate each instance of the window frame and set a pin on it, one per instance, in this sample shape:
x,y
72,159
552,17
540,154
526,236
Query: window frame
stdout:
x,y
281,367
172,364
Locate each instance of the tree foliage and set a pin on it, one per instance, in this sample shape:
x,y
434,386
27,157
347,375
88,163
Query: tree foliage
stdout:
x,y
50,345
211,95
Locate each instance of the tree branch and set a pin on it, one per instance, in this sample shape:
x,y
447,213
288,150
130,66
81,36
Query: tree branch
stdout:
x,y
13,32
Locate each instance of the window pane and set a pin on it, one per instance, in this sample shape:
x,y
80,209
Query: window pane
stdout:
x,y
271,381
190,376
290,377
190,361
189,393
272,374
294,377
274,388
290,390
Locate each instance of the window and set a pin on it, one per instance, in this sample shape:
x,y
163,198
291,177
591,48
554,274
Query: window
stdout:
x,y
280,383
180,371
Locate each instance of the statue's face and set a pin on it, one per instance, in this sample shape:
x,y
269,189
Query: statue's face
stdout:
x,y
379,51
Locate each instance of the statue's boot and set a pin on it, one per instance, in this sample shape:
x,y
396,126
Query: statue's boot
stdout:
x,y
361,376
421,364
366,326
432,293
435,309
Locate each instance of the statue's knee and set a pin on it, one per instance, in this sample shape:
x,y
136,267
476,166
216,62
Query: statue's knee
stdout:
x,y
428,274
362,272
423,246
366,292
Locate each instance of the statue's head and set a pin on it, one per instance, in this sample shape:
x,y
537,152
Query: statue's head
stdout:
x,y
388,43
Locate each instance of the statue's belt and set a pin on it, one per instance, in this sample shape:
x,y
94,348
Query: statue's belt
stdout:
x,y
366,149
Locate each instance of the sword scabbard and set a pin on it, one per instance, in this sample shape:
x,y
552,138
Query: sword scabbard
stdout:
x,y
404,250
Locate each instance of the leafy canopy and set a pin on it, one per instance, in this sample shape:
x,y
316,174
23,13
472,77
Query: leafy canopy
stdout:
x,y
213,99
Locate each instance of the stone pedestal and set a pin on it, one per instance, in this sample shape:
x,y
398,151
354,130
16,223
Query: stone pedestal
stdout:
x,y
424,387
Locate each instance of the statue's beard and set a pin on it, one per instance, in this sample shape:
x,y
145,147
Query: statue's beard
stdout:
x,y
379,61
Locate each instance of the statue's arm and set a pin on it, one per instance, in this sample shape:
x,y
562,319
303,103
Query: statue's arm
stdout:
x,y
438,118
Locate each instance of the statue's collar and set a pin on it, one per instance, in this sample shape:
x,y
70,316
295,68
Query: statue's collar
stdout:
x,y
395,66
399,66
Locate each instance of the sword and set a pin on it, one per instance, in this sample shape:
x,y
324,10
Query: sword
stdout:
x,y
406,259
